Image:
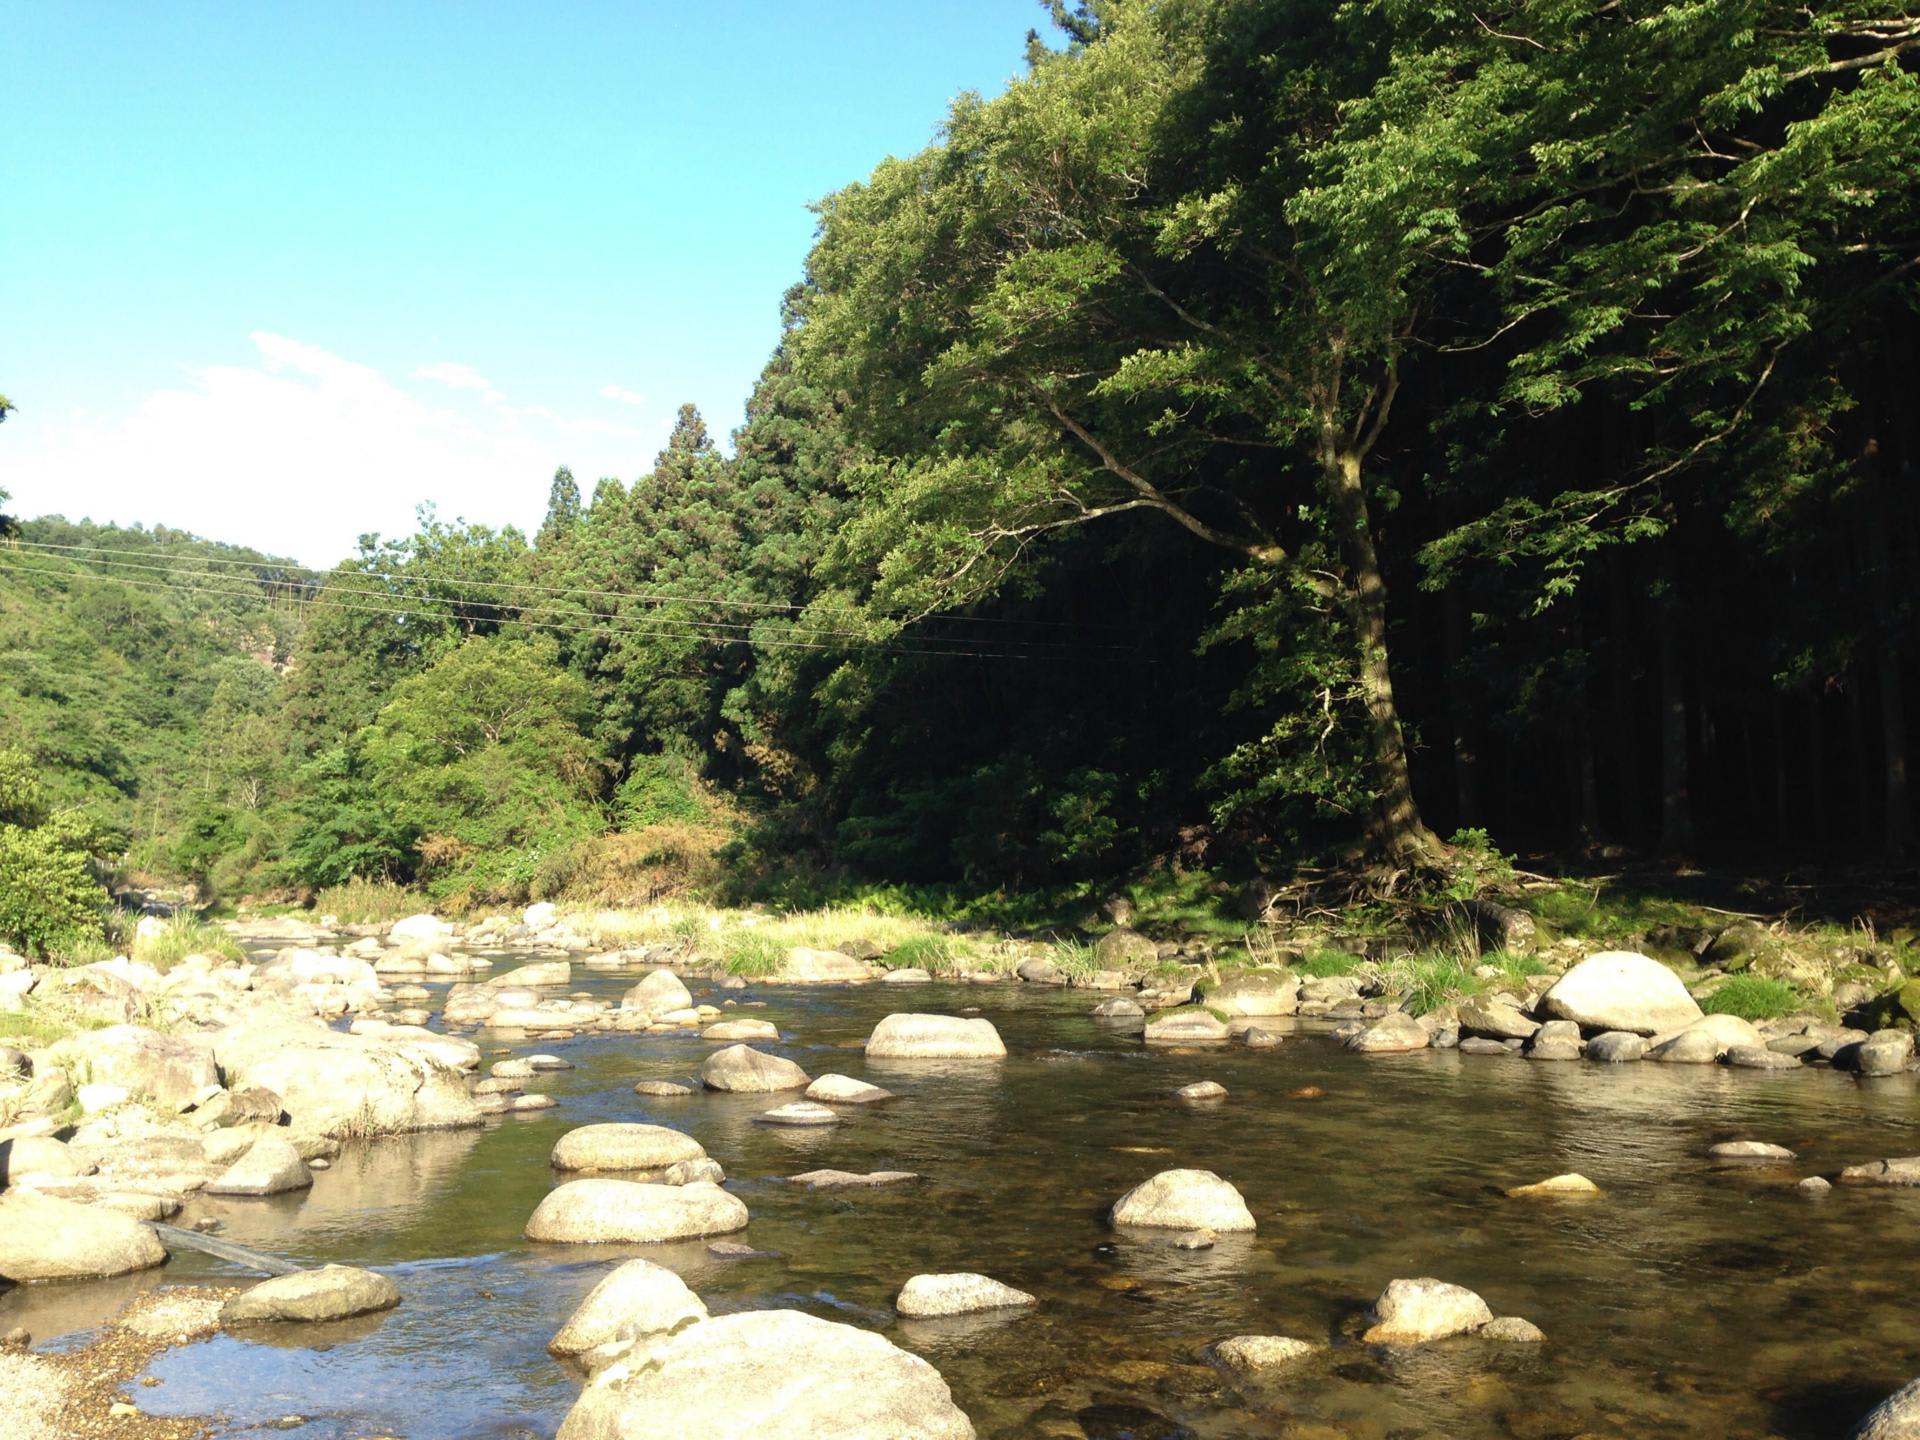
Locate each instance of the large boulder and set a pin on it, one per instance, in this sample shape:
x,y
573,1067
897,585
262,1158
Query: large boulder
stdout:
x,y
598,1211
935,1037
1125,949
636,1299
538,975
23,1155
767,1372
845,1090
956,1294
1187,1025
1391,1035
1184,1200
333,1292
345,1085
173,1071
1495,1017
1621,990
422,927
270,1166
743,1069
738,1029
43,1238
1895,1418
1412,1312
822,967
1266,991
658,993
1706,1040
624,1147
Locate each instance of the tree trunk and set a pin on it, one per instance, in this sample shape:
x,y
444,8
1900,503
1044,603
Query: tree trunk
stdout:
x,y
1400,830
1466,760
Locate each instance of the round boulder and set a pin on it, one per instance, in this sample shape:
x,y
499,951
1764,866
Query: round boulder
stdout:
x,y
956,1294
623,1147
270,1167
1413,1312
1184,1200
768,1372
1187,1025
636,1299
658,993
845,1090
598,1211
934,1037
744,1070
741,1030
1265,991
333,1292
1621,990
43,1238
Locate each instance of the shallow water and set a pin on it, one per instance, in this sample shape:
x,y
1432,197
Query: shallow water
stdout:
x,y
1689,1300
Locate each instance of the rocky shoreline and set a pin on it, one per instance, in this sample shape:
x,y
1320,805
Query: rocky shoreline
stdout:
x,y
243,1078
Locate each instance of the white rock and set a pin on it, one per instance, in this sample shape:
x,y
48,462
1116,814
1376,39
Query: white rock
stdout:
x,y
1184,1200
956,1294
1621,990
636,1299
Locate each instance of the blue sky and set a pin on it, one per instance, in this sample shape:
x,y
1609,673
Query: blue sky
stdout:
x,y
278,273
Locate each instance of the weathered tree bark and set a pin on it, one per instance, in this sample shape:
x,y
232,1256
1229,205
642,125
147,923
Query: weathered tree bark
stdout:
x,y
1400,829
1466,758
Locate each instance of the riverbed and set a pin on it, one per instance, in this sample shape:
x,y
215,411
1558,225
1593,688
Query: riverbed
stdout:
x,y
1689,1299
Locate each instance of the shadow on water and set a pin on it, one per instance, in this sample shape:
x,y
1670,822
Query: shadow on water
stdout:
x,y
1690,1299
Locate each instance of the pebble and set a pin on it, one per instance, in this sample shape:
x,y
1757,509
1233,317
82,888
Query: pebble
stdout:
x,y
1202,1090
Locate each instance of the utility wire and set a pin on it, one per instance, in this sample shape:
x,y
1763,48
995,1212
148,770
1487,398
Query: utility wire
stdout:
x,y
656,597
401,612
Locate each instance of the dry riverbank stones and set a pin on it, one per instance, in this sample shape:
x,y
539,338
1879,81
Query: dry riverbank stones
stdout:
x,y
1184,1200
624,1147
934,1037
595,1211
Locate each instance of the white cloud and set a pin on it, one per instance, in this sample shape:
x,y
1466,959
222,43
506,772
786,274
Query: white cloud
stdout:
x,y
304,450
623,395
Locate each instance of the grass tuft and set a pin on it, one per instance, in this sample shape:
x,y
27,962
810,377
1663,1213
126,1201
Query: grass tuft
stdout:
x,y
1753,997
182,936
369,902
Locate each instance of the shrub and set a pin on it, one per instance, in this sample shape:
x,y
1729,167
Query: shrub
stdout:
x,y
184,935
748,952
934,953
642,868
368,902
49,899
658,790
1753,997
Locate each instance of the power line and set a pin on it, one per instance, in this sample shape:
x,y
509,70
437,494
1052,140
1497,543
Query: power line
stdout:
x,y
320,602
657,597
713,629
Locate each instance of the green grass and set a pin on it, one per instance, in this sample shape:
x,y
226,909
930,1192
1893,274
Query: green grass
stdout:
x,y
1596,913
1753,997
936,953
1074,957
751,952
1320,964
369,902
37,1028
183,936
1515,967
1433,977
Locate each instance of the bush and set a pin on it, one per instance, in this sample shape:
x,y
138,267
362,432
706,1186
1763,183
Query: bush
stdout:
x,y
1753,997
643,868
749,953
184,935
369,902
49,899
658,790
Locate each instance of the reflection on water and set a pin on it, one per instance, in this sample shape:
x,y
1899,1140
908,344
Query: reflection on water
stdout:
x,y
1691,1298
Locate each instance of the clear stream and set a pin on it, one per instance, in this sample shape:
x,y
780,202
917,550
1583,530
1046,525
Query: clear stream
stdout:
x,y
1691,1300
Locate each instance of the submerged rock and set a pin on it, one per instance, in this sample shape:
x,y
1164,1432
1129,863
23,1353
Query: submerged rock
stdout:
x,y
1202,1090
1570,1184
741,1030
768,1372
333,1292
744,1070
1413,1312
934,1037
844,1090
624,1147
1902,1170
1621,990
799,1112
597,1211
1513,1330
1259,1352
1748,1150
957,1294
43,1238
663,1089
1118,1008
1187,1025
850,1180
1184,1200
636,1299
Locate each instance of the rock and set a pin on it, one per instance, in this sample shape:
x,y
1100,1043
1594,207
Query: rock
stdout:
x,y
1501,927
517,1069
43,1238
1184,1200
95,1098
664,1089
623,1147
1885,1052
271,1166
1895,1418
1202,1090
1902,1170
1495,1017
1616,1047
1546,1045
1748,1150
768,1372
907,975
1040,972
1513,1330
1413,1312
1706,1040
540,916
844,1090
598,1211
1261,992
634,1300
1569,1184
24,1155
1391,1034
1195,1240
658,993
420,927
1621,990
1813,1185
333,1292
1118,1008
1480,1045
744,1070
1755,1057
1124,949
799,1112
334,1084
1187,1025
816,967
741,1030
540,974
850,1180
1259,1352
934,1037
690,1172
170,1070
956,1294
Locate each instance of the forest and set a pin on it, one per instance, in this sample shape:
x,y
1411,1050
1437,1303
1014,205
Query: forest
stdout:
x,y
1268,435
